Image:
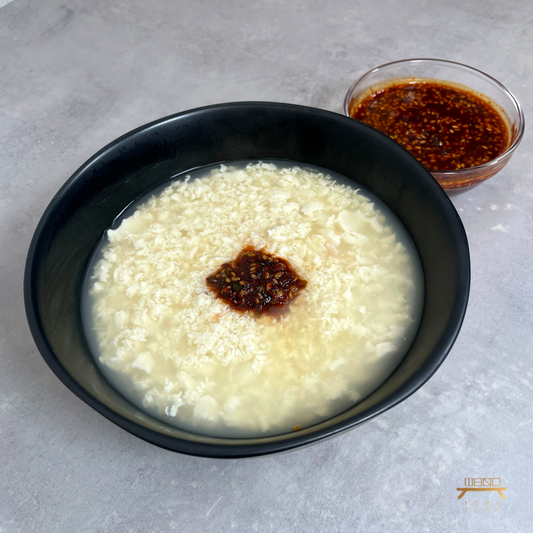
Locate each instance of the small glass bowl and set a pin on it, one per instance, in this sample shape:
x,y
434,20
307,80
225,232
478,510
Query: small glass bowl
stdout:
x,y
459,75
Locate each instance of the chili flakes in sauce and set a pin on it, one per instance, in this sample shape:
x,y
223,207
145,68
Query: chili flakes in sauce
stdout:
x,y
444,127
256,281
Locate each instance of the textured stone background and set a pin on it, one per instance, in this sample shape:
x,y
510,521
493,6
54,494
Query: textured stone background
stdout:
x,y
77,74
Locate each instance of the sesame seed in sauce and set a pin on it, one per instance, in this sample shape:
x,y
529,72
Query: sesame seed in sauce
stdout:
x,y
259,295
461,128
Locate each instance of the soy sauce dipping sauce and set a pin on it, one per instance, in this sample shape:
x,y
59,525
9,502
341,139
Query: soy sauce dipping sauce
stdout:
x,y
443,126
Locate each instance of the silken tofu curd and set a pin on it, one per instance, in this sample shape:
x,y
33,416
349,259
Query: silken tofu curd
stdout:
x,y
171,343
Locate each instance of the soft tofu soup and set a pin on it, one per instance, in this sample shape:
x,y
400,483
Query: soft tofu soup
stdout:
x,y
313,321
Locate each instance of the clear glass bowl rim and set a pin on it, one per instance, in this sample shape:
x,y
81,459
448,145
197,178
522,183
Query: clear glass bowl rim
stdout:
x,y
450,173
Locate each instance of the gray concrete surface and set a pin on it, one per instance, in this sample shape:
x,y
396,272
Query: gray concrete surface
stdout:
x,y
74,76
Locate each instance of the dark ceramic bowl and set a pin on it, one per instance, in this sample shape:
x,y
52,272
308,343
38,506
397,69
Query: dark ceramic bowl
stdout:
x,y
83,208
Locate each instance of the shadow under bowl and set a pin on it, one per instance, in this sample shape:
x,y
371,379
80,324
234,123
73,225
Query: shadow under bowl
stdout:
x,y
148,156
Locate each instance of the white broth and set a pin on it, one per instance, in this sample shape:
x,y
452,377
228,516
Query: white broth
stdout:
x,y
173,347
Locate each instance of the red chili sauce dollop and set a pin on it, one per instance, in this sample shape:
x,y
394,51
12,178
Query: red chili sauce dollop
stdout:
x,y
256,281
444,127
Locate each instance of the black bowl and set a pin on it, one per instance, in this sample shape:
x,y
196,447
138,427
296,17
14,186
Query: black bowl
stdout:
x,y
87,203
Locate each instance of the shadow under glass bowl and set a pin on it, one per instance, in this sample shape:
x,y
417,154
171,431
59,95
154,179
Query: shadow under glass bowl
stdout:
x,y
464,77
148,156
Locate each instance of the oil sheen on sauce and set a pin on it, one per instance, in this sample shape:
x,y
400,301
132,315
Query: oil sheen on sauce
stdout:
x,y
446,128
256,281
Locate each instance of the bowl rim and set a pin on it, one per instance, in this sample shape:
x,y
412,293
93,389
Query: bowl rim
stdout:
x,y
260,446
463,171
